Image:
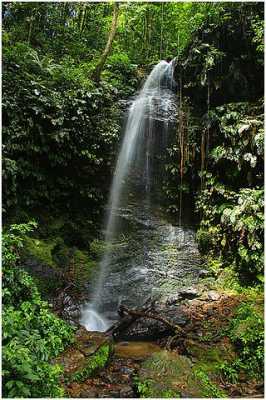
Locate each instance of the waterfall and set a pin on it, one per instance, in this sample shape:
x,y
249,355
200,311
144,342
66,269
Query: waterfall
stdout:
x,y
145,134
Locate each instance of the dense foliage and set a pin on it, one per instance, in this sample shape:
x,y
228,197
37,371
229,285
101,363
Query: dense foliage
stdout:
x,y
231,203
62,126
32,334
247,332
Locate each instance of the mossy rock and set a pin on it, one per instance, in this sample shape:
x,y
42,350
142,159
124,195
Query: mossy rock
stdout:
x,y
49,260
74,260
163,375
92,364
167,374
209,354
89,353
83,266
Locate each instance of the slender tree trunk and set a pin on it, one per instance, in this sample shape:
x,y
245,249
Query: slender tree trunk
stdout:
x,y
30,27
108,47
83,15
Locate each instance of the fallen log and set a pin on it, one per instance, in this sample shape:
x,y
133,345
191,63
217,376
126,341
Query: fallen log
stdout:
x,y
124,322
130,316
145,314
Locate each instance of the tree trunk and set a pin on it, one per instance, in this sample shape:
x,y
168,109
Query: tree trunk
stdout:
x,y
83,15
30,28
100,65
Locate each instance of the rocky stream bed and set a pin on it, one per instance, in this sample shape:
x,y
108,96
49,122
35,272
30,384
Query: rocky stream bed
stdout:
x,y
177,364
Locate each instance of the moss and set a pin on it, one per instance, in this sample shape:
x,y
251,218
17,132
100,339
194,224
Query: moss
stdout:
x,y
166,362
167,374
164,375
71,263
40,250
207,354
92,364
228,280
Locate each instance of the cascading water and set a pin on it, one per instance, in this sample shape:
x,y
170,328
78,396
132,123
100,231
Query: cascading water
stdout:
x,y
136,174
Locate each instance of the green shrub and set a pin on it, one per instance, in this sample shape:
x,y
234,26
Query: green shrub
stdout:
x,y
229,371
32,335
247,332
144,388
232,226
119,62
210,389
45,161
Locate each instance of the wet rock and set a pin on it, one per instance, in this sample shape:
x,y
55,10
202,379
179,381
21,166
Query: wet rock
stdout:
x,y
213,295
208,354
210,311
189,293
71,360
89,353
204,273
89,342
173,300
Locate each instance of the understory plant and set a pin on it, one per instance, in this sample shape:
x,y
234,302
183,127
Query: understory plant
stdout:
x,y
247,332
231,202
232,227
32,334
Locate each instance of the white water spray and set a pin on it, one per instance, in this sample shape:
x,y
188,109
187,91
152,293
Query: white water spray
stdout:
x,y
154,103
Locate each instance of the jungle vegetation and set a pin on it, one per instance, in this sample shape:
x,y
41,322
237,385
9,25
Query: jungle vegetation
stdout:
x,y
68,70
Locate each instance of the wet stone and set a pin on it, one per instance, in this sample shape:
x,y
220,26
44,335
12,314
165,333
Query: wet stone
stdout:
x,y
213,296
153,257
173,300
203,273
71,360
189,293
89,342
150,329
127,371
169,372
